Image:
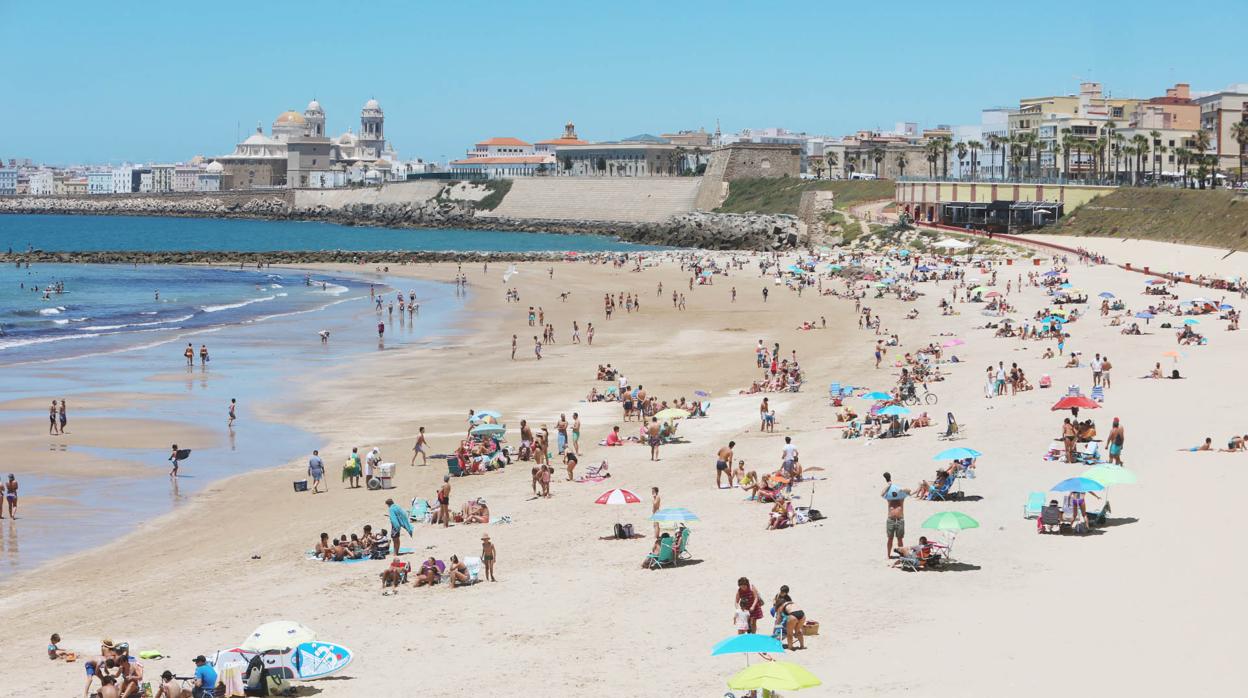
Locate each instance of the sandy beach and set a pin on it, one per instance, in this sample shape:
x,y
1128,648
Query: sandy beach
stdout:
x,y
1149,605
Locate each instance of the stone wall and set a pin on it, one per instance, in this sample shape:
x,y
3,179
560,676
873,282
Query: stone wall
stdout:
x,y
754,160
415,191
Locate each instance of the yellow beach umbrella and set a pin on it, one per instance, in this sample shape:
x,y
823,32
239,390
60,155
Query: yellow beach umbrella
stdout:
x,y
671,413
773,676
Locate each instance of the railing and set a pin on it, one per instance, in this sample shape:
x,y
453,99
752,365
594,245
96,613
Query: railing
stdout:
x,y
1059,181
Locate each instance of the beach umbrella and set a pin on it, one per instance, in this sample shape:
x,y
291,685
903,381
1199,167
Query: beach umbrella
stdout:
x,y
1052,273
671,413
773,676
950,521
877,395
868,277
278,635
478,416
1075,401
1154,282
955,342
701,393
488,430
881,284
747,644
1077,484
957,453
1172,354
979,289
1106,294
1145,315
893,410
1110,475
1226,306
618,496
1191,321
674,515
1065,285
1059,311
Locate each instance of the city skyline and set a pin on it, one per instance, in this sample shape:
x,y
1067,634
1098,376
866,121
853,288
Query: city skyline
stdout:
x,y
193,83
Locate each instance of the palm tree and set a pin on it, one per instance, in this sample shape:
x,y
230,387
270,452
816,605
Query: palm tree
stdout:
x,y
1016,159
851,165
901,164
1154,140
945,144
1066,141
1128,152
1180,155
961,149
1201,142
1239,131
1119,141
877,156
829,161
1202,169
1098,156
1141,143
994,144
975,147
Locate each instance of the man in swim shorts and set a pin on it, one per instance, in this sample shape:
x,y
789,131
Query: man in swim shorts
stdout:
x,y
723,461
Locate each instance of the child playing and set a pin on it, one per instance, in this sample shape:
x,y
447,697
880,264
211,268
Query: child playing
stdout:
x,y
742,617
487,557
55,653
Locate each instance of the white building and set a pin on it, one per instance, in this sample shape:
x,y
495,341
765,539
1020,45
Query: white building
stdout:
x,y
8,182
123,178
42,183
162,178
100,182
145,182
328,179
209,178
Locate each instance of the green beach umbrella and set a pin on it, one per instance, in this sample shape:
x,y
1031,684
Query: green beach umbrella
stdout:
x,y
773,676
950,521
980,289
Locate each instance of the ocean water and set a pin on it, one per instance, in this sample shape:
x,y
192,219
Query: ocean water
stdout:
x,y
58,311
133,233
261,329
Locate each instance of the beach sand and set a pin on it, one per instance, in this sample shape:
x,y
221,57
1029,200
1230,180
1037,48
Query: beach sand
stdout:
x,y
1152,605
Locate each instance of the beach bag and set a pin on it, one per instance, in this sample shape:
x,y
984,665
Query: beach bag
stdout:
x,y
811,627
301,485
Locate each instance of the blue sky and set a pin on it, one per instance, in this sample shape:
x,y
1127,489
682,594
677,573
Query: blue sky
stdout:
x,y
147,81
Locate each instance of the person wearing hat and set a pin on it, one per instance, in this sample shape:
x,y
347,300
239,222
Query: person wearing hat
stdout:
x,y
205,678
487,557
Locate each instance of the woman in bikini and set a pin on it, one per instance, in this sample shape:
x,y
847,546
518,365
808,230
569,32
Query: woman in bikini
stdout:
x,y
794,624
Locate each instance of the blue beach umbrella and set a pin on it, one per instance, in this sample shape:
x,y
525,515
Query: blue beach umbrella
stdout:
x,y
488,430
957,454
1051,273
1226,306
1191,321
1145,315
922,267
747,643
1077,484
893,410
1065,285
1106,294
877,395
476,417
674,515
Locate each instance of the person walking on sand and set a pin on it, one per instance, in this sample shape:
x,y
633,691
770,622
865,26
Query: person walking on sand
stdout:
x,y
10,497
652,432
537,348
589,333
444,501
399,521
233,412
52,419
316,471
723,464
203,354
421,448
61,415
655,503
513,347
488,555
1117,437
189,353
895,524
173,458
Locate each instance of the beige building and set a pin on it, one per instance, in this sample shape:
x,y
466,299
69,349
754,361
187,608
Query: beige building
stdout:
x,y
1218,113
855,156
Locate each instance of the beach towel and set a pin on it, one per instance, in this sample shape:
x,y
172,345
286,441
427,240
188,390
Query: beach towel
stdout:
x,y
231,676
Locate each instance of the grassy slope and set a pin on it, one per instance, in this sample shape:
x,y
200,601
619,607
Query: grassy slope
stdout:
x,y
1214,218
783,195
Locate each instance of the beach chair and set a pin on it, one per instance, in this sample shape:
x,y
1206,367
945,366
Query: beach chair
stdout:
x,y
452,466
1098,393
1051,520
1045,381
1034,505
476,569
1097,518
942,493
665,556
834,394
419,512
681,548
1073,391
914,563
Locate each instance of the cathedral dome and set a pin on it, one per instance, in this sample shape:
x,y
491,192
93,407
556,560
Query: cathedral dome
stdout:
x,y
314,106
289,117
372,104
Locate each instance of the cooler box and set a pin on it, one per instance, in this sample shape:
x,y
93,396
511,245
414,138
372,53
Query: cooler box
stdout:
x,y
383,477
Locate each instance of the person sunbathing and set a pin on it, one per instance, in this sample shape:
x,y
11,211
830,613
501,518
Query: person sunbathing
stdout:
x,y
654,550
1048,353
459,573
781,514
913,552
428,574
393,576
475,511
1206,446
1235,444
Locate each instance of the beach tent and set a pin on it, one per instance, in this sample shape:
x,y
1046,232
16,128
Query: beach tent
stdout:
x,y
951,244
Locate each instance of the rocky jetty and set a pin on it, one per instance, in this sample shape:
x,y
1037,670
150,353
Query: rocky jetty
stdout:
x,y
714,231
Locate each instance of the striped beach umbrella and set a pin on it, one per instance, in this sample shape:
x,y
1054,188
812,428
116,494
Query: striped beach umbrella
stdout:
x,y
618,496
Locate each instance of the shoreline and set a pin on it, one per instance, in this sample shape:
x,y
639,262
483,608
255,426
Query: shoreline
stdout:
x,y
204,591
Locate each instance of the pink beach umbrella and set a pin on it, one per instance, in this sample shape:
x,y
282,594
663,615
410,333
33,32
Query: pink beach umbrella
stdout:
x,y
618,496
955,342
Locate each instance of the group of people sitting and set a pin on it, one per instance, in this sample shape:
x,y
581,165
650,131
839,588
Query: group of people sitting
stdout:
x,y
433,571
356,546
476,454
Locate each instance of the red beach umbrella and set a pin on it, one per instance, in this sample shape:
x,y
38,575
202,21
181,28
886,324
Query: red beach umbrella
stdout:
x,y
618,496
1074,401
